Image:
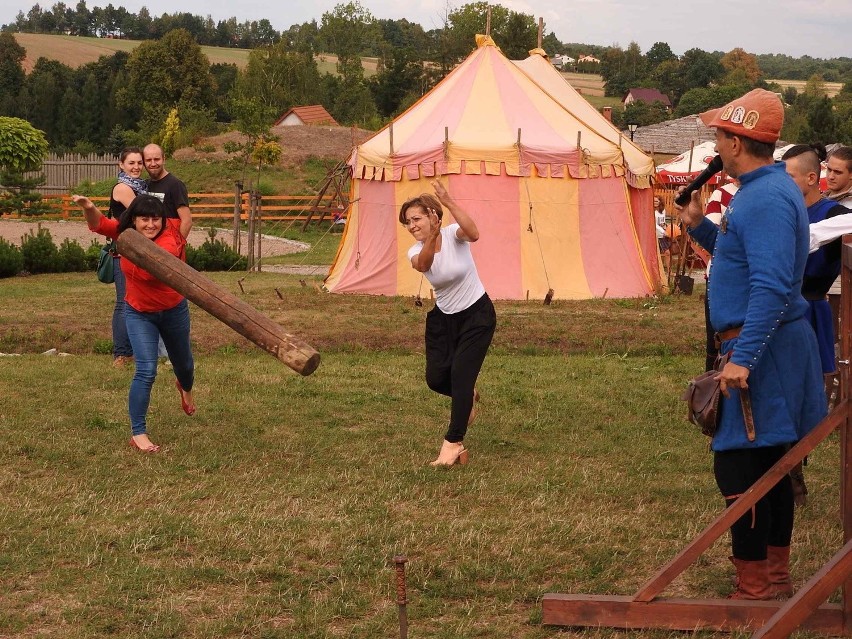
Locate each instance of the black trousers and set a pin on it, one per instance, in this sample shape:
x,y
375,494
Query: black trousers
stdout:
x,y
770,522
456,345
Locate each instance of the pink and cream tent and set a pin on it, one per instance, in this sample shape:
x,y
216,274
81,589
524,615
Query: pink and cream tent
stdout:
x,y
560,199
685,167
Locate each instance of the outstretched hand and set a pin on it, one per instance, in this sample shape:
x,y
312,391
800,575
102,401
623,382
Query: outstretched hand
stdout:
x,y
442,194
82,201
434,223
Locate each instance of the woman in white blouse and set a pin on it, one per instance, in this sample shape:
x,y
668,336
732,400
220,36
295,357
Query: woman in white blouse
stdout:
x,y
460,327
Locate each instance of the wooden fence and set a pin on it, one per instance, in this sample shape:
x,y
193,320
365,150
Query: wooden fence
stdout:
x,y
63,172
221,206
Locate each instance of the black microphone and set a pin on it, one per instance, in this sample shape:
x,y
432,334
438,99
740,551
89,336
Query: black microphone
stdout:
x,y
712,169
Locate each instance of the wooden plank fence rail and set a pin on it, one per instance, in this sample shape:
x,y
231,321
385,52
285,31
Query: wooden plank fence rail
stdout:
x,y
214,206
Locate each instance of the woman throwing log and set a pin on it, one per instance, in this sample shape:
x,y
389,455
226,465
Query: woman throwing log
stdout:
x,y
152,309
460,326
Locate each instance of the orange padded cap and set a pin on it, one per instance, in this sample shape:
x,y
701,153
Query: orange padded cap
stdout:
x,y
758,115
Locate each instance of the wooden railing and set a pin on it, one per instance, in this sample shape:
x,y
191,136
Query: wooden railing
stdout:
x,y
221,206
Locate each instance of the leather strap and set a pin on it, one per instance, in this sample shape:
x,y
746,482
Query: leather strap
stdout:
x,y
745,400
730,333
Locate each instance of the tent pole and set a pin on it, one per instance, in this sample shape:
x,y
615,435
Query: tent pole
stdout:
x,y
488,22
691,149
390,130
446,143
540,30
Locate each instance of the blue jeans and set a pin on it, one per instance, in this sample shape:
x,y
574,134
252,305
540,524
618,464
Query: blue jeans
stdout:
x,y
120,342
145,330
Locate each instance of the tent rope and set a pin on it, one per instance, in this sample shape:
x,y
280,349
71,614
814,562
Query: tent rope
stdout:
x,y
538,239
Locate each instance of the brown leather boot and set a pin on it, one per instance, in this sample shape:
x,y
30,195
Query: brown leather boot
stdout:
x,y
779,571
752,579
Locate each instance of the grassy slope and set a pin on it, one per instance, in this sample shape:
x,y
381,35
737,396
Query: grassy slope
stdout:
x,y
274,510
76,51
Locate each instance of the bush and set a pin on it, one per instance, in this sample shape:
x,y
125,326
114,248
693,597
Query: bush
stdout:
x,y
93,255
72,257
214,255
11,260
40,253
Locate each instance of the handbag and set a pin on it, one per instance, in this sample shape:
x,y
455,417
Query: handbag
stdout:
x,y
106,264
702,398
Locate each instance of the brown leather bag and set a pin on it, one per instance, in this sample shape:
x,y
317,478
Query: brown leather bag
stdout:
x,y
702,398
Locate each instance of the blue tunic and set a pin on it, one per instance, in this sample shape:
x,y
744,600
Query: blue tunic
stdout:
x,y
759,254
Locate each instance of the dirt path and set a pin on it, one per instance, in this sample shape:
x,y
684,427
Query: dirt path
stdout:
x,y
12,230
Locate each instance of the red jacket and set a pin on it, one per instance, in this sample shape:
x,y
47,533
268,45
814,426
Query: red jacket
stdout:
x,y
146,293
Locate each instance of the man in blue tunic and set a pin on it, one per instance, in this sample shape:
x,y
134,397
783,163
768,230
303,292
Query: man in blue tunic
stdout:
x,y
757,309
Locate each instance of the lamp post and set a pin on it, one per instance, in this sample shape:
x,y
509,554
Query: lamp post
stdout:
x,y
632,126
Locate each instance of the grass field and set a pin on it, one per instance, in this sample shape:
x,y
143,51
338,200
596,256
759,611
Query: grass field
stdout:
x,y
831,88
76,51
274,511
589,84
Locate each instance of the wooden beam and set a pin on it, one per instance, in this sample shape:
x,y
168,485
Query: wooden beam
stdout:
x,y
234,312
800,607
723,615
742,505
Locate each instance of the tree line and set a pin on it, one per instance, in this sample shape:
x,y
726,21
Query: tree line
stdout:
x,y
700,80
125,98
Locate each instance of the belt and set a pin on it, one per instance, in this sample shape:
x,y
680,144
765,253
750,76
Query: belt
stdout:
x,y
731,333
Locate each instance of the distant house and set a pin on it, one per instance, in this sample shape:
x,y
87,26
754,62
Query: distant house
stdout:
x,y
588,58
646,95
314,114
562,61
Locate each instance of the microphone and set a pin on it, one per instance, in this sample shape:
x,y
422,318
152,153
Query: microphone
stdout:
x,y
712,169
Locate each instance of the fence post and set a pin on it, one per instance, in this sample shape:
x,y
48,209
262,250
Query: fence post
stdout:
x,y
258,215
238,209
250,245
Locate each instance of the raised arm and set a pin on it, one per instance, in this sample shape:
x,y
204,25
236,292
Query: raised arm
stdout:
x,y
123,193
467,227
422,262
90,211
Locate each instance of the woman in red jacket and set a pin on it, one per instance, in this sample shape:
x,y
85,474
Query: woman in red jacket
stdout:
x,y
152,309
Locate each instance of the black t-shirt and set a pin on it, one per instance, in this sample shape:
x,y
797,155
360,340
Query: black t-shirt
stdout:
x,y
173,193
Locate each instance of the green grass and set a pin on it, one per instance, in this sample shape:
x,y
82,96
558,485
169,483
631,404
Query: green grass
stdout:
x,y
274,511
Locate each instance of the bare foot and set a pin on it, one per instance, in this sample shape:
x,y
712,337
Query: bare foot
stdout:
x,y
141,442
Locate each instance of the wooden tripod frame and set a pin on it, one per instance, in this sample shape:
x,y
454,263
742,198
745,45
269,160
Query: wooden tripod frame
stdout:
x,y
770,619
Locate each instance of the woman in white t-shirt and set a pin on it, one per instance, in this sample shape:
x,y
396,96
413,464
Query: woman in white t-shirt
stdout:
x,y
460,326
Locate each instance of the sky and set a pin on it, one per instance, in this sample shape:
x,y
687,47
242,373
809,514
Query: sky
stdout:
x,y
819,28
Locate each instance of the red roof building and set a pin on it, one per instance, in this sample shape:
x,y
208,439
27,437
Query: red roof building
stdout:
x,y
314,114
646,95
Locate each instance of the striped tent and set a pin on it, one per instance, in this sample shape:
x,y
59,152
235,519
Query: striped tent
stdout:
x,y
561,199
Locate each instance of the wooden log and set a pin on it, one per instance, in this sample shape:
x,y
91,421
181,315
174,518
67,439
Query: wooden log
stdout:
x,y
230,310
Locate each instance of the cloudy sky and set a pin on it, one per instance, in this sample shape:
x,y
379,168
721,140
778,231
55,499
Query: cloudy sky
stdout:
x,y
819,28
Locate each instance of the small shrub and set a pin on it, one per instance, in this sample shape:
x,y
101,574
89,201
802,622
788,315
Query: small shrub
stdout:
x,y
214,255
11,260
40,253
72,256
93,254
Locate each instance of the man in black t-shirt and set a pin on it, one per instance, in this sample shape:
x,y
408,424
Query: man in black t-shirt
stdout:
x,y
167,187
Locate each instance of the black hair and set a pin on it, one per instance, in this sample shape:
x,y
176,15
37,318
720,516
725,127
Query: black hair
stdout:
x,y
810,154
142,206
763,150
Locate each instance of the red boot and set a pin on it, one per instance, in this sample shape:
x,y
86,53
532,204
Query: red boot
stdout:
x,y
752,580
779,571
